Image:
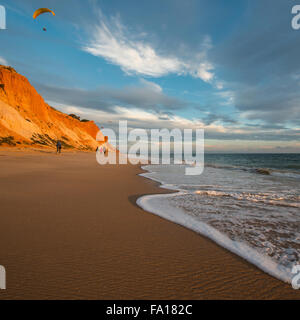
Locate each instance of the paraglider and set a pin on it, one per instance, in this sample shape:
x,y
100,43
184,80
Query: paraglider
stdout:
x,y
42,11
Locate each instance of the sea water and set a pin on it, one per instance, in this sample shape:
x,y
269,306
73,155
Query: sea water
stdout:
x,y
247,203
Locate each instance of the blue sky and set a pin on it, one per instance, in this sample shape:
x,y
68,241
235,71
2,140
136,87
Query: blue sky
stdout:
x,y
230,67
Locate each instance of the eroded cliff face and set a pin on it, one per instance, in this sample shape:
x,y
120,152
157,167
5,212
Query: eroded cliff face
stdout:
x,y
26,120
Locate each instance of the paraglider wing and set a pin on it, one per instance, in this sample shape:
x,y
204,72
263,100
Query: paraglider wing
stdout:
x,y
41,11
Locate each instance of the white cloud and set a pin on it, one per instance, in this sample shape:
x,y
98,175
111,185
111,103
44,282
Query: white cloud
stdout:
x,y
111,40
219,85
228,96
152,86
204,72
3,61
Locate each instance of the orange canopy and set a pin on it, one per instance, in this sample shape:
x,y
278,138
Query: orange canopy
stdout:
x,y
41,11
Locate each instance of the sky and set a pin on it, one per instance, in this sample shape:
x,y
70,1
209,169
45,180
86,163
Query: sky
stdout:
x,y
231,68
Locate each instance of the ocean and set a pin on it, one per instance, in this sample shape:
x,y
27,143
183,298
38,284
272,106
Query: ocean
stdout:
x,y
247,203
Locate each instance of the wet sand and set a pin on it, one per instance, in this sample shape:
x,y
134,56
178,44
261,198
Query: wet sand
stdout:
x,y
70,229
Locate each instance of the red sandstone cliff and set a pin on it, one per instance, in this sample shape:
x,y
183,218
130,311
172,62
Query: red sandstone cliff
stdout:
x,y
26,120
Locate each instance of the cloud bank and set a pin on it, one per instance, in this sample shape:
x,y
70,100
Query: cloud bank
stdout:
x,y
148,96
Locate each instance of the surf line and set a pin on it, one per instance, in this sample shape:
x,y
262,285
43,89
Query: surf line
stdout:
x,y
117,310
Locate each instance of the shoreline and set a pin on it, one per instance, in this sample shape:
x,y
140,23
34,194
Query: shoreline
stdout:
x,y
178,216
71,230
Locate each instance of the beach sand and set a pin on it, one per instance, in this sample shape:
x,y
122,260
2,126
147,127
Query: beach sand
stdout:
x,y
70,229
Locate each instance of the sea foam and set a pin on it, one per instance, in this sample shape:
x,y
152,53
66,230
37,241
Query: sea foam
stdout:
x,y
253,216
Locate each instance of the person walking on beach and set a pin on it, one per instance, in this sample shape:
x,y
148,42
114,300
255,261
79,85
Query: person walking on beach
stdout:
x,y
58,146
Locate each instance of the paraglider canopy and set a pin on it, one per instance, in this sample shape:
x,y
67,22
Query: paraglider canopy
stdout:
x,y
42,11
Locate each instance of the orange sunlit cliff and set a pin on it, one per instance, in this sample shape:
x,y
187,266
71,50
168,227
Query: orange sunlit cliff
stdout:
x,y
27,121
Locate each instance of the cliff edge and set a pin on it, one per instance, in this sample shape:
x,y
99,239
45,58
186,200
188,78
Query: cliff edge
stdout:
x,y
27,121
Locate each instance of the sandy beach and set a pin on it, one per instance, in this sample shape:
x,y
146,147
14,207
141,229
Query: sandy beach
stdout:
x,y
70,229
